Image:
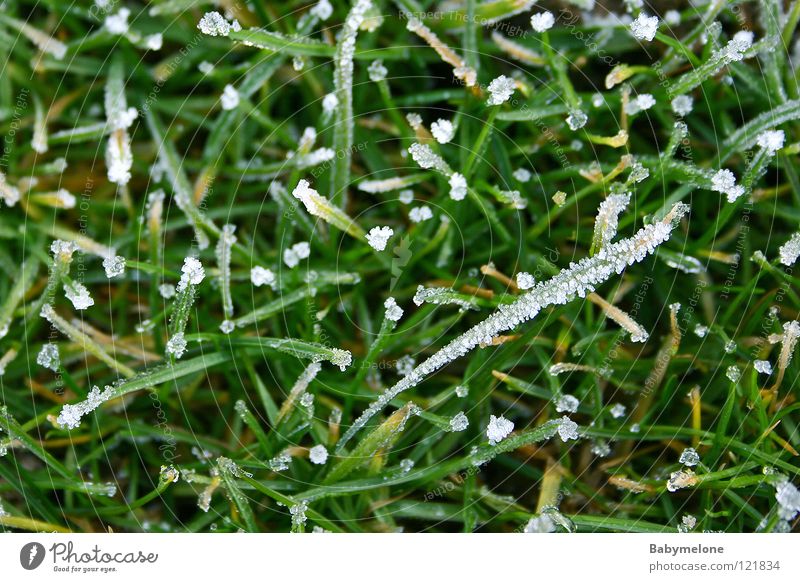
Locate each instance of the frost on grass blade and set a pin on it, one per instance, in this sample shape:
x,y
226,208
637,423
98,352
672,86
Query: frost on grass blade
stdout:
x,y
644,27
48,357
500,90
71,414
378,236
576,281
498,429
192,275
321,207
214,24
790,250
466,74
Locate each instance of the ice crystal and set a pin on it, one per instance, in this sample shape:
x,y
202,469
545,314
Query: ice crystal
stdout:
x,y
118,23
689,457
458,186
771,141
540,524
280,462
522,175
501,89
393,311
48,357
733,373
318,455
672,17
176,345
261,276
682,105
700,330
78,295
119,158
498,429
618,410
729,347
329,103
322,10
294,254
154,42
724,182
443,130
166,291
230,98
567,429
406,197
205,67
567,403
790,250
378,236
601,449
542,21
192,273
214,24
605,225
763,366
576,119
460,422
227,326
642,102
575,281
644,27
377,72
525,280
427,158
462,391
71,414
681,480
114,266
420,214
788,498
405,365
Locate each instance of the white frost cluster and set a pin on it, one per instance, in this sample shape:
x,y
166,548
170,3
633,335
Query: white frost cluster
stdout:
x,y
114,266
788,498
498,429
296,253
420,214
443,130
322,10
540,524
214,24
78,295
118,23
329,103
458,186
525,280
618,410
644,27
377,71
542,21
260,276
790,250
682,105
689,457
763,366
522,175
378,236
641,102
672,17
393,311
48,357
501,89
176,345
230,98
426,158
71,414
318,455
724,182
192,273
567,403
460,422
567,429
771,141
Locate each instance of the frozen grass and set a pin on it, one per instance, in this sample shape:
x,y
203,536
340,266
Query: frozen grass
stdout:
x,y
364,267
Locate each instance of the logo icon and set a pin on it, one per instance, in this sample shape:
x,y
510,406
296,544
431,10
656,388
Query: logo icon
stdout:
x,y
31,555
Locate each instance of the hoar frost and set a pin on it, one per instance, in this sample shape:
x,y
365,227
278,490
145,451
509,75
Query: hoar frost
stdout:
x,y
230,98
567,403
724,182
378,236
790,250
318,455
71,414
525,280
762,366
260,276
682,105
617,411
458,186
442,130
460,422
689,457
501,89
498,429
420,214
644,27
214,24
542,21
114,266
48,357
567,429
393,311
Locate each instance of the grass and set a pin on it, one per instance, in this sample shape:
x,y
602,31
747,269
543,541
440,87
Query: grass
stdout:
x,y
659,357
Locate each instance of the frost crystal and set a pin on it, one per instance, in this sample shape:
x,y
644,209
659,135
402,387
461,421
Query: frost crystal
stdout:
x,y
420,214
458,186
377,72
567,429
227,326
393,311
114,266
618,410
501,89
166,291
540,524
689,457
154,42
525,280
192,273
771,141
700,330
733,373
522,175
642,102
790,250
205,67
680,480
682,105
260,276
462,391
406,197
577,119
567,403
329,102
378,236
322,10
644,27
214,24
48,357
230,98
724,182
762,367
405,365
176,345
71,414
318,455
788,498
543,21
78,295
293,255
672,17
118,23
427,158
460,422
280,462
442,130
406,465
498,429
